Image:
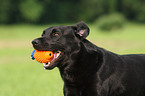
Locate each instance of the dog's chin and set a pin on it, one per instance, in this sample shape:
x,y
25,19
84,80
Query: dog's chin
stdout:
x,y
55,61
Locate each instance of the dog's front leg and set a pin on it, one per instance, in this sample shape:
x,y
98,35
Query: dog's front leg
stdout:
x,y
70,91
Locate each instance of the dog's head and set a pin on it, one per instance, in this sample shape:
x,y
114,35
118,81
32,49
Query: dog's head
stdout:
x,y
64,41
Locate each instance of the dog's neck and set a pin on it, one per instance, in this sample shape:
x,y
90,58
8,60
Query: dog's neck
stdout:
x,y
80,67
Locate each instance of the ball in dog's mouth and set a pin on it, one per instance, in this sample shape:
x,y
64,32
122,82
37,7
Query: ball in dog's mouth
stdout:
x,y
55,58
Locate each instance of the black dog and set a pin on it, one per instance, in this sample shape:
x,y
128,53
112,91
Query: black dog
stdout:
x,y
88,70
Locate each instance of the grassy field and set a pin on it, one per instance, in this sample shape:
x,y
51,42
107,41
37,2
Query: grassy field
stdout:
x,y
20,76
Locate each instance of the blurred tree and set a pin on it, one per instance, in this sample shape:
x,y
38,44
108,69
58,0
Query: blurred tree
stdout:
x,y
4,11
112,6
60,11
9,11
48,11
90,10
134,9
31,10
110,22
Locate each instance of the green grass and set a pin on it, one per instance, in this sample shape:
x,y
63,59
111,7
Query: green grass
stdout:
x,y
128,40
20,76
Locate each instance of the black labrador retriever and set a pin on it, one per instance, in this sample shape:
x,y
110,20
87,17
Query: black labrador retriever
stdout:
x,y
88,70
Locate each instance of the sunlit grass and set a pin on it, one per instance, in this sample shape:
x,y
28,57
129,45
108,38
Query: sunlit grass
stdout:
x,y
20,76
129,40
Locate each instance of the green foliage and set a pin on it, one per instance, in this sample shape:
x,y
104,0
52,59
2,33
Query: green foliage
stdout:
x,y
31,10
90,10
48,11
4,11
141,15
133,9
111,22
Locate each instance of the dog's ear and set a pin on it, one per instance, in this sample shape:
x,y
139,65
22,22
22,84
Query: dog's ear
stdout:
x,y
81,30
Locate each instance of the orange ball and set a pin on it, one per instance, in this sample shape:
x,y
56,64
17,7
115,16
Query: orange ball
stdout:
x,y
43,56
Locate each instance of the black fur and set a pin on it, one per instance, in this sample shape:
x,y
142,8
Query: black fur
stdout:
x,y
88,70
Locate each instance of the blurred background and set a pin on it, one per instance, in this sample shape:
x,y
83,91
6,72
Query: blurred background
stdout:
x,y
116,25
62,11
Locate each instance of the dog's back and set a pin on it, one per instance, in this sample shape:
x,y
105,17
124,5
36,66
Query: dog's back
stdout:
x,y
134,77
119,75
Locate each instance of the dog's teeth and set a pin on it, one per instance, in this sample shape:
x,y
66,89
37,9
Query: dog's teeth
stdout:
x,y
48,63
57,55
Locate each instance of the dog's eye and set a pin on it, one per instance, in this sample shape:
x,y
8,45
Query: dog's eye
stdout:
x,y
55,34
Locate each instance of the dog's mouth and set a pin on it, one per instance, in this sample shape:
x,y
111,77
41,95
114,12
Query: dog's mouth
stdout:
x,y
52,63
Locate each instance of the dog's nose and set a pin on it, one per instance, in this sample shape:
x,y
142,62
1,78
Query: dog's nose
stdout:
x,y
35,42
